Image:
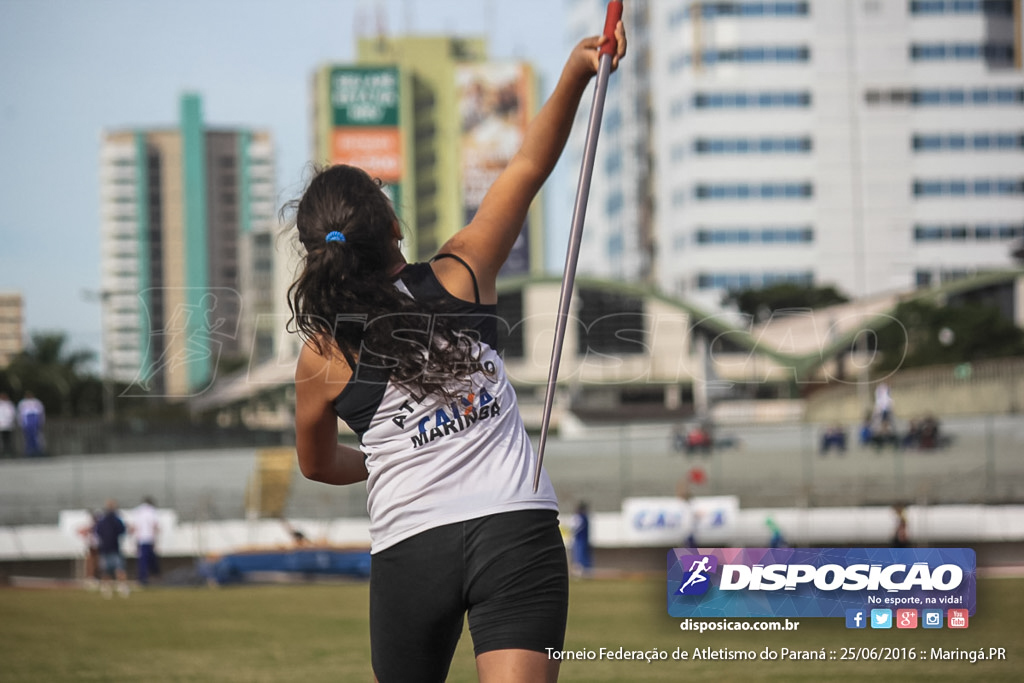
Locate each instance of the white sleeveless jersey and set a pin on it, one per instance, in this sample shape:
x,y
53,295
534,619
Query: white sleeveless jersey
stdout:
x,y
433,461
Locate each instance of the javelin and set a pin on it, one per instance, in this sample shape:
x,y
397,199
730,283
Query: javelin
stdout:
x,y
579,212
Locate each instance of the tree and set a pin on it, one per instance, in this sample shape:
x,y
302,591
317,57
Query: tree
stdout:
x,y
761,303
927,334
58,377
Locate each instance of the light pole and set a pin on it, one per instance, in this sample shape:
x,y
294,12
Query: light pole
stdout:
x,y
103,297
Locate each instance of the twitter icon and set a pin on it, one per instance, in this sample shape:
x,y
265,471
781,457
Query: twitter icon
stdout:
x,y
881,618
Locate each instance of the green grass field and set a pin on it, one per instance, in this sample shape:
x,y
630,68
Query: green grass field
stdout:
x,y
319,633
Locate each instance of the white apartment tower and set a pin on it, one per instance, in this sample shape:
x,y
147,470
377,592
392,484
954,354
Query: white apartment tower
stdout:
x,y
865,144
619,240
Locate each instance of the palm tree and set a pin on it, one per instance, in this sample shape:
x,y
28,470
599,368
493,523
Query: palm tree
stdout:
x,y
58,377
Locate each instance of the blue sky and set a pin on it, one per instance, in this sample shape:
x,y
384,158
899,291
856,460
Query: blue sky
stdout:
x,y
71,68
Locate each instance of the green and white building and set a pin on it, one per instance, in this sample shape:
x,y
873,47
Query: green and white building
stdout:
x,y
435,120
187,224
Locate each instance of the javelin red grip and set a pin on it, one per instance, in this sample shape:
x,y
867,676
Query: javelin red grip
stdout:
x,y
610,20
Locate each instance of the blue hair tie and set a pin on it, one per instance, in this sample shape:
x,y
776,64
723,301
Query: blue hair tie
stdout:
x,y
334,236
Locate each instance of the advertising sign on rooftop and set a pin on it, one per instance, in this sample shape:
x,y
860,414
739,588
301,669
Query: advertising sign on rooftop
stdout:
x,y
364,113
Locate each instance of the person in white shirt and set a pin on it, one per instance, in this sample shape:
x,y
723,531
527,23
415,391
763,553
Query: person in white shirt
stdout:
x,y
7,418
145,527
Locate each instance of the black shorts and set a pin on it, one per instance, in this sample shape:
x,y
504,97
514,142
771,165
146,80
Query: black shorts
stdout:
x,y
508,571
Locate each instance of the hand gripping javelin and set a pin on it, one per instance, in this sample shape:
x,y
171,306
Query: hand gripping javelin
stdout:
x,y
579,211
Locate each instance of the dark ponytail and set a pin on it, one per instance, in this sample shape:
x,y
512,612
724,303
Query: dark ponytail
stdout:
x,y
346,294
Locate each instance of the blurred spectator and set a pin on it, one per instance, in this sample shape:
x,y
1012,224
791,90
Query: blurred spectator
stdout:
x,y
777,539
866,434
8,414
924,434
699,439
900,538
582,559
929,435
31,416
884,434
298,538
913,436
145,528
834,436
110,529
883,403
679,438
92,548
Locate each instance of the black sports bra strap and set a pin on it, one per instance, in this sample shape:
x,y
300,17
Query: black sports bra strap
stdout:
x,y
476,289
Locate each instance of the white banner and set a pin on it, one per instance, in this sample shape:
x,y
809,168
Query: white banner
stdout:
x,y
655,521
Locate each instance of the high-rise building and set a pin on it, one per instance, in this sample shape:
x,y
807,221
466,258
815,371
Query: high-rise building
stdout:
x,y
866,144
12,323
435,120
187,259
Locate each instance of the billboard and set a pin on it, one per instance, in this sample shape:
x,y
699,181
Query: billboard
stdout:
x,y
365,119
494,107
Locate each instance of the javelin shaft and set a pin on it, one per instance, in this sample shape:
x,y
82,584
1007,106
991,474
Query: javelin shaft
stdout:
x,y
579,213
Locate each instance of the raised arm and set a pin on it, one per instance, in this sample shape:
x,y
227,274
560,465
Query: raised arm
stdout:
x,y
486,242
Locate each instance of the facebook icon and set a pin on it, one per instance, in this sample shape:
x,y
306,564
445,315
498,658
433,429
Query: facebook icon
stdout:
x,y
856,618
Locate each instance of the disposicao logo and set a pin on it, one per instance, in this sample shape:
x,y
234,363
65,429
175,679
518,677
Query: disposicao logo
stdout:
x,y
696,580
820,582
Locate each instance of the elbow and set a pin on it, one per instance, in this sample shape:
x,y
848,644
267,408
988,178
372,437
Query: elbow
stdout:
x,y
314,473
312,469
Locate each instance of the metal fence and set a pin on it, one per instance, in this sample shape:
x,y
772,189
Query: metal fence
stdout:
x,y
783,466
765,465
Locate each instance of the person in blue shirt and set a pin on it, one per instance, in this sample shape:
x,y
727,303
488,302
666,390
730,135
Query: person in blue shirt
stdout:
x,y
582,557
110,529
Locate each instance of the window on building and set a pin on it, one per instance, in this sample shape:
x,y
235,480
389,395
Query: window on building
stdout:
x,y
1009,232
978,186
789,145
738,281
612,119
739,100
990,7
511,327
952,97
613,162
982,232
614,203
610,323
755,55
704,191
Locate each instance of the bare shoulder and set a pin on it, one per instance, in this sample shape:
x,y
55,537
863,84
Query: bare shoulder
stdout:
x,y
463,276
321,374
311,364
